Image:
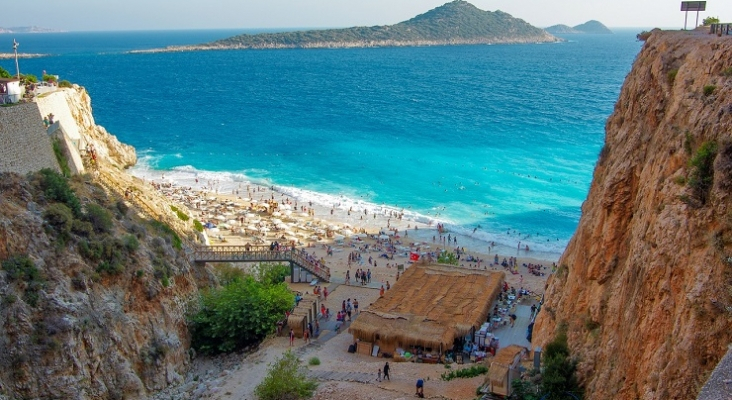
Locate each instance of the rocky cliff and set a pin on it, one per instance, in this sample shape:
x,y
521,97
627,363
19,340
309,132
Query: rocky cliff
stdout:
x,y
92,304
645,284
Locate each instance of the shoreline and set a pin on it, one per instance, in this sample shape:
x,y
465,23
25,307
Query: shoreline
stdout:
x,y
330,234
378,216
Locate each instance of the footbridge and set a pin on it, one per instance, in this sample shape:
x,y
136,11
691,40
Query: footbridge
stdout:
x,y
300,264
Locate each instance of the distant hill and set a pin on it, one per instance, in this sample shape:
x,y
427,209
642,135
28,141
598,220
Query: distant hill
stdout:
x,y
457,22
28,29
588,27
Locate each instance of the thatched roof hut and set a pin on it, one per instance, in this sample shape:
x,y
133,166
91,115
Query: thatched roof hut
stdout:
x,y
429,306
504,369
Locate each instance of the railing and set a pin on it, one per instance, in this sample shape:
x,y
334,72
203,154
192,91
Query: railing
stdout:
x,y
249,253
720,29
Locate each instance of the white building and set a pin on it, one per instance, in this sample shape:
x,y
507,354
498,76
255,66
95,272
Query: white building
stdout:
x,y
11,90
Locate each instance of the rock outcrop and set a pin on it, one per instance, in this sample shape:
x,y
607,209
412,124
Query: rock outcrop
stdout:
x,y
81,325
645,284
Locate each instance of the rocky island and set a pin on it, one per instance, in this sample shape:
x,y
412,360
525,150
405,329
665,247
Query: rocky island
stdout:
x,y
591,26
454,23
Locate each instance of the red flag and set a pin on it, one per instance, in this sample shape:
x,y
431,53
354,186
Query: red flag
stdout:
x,y
413,256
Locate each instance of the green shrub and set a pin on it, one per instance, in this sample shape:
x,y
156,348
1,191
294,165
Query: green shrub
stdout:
x,y
60,217
671,76
99,217
701,178
49,78
285,380
469,372
680,180
709,89
314,361
447,257
63,162
241,313
131,243
181,215
228,273
139,273
165,281
727,72
559,376
56,188
271,274
197,225
30,78
82,228
4,73
110,267
21,268
122,207
163,228
65,84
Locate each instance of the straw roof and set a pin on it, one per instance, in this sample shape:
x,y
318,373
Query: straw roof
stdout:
x,y
429,306
502,363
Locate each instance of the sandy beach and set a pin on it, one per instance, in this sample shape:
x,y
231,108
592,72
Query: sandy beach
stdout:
x,y
376,243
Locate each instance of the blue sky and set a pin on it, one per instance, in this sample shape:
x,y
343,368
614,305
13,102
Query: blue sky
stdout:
x,y
94,15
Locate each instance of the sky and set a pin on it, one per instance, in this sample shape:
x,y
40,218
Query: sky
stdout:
x,y
110,15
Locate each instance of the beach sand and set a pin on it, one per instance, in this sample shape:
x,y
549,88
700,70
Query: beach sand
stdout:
x,y
237,377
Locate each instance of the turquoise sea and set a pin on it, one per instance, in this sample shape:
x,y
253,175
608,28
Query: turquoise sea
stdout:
x,y
501,138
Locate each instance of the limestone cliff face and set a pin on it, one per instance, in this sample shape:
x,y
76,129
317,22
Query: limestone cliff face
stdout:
x,y
645,284
72,107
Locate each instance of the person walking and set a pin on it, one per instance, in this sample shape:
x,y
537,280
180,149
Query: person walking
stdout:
x,y
420,388
378,375
292,337
386,372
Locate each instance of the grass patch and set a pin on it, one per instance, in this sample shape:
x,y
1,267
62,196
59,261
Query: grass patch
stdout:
x,y
197,225
709,89
469,372
671,76
165,229
63,162
727,72
701,178
314,361
181,215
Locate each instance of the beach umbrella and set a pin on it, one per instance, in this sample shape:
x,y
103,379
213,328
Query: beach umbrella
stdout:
x,y
264,229
209,225
333,227
304,215
246,199
276,214
232,222
211,198
286,207
288,212
214,230
250,215
314,237
223,226
384,237
347,232
220,218
338,237
252,227
265,205
346,225
276,221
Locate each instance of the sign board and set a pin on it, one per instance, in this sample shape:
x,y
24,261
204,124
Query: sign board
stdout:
x,y
693,5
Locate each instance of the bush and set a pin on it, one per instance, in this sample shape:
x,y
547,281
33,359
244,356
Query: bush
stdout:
x,y
314,361
99,217
63,162
49,78
671,76
701,178
56,188
272,274
470,372
709,89
447,257
559,369
82,228
21,268
110,267
181,215
168,231
228,273
4,73
727,72
30,78
285,380
131,243
241,313
60,217
65,84
122,207
197,225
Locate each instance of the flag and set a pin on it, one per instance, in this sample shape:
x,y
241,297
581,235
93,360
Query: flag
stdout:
x,y
413,256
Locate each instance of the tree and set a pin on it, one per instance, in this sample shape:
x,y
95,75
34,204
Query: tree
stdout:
x,y
710,20
4,73
447,257
558,377
285,380
239,314
30,78
271,274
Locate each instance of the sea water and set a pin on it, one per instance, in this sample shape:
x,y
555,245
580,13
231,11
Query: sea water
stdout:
x,y
498,141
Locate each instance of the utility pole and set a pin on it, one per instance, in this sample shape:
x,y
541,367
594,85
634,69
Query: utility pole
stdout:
x,y
15,49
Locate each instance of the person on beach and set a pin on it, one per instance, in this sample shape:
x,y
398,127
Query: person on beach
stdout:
x,y
388,286
355,306
292,337
386,371
381,291
378,375
420,388
325,293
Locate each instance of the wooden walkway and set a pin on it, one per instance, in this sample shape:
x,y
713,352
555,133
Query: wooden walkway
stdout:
x,y
249,253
